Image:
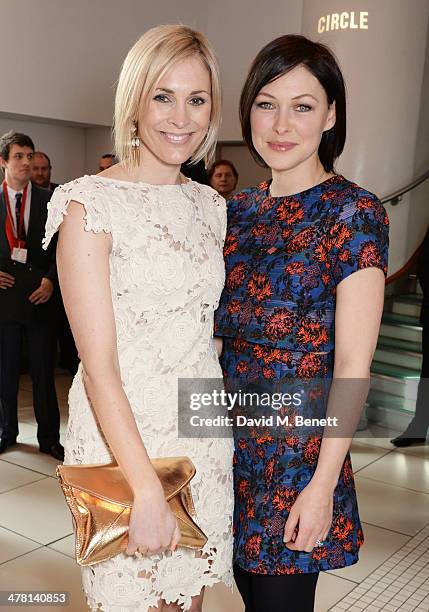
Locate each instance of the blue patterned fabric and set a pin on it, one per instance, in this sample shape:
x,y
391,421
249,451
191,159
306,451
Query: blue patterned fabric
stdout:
x,y
284,258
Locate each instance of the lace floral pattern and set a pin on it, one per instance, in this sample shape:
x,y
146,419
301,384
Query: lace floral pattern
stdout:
x,y
166,275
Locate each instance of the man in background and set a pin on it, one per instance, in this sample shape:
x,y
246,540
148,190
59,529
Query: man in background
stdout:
x,y
418,427
41,176
106,160
223,177
41,171
23,214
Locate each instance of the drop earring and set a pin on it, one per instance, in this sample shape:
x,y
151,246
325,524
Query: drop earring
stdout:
x,y
135,145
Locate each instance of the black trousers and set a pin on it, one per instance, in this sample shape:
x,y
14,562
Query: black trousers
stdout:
x,y
68,352
420,423
40,336
272,593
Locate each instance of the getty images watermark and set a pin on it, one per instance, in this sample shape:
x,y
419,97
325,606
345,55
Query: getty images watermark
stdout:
x,y
234,401
213,408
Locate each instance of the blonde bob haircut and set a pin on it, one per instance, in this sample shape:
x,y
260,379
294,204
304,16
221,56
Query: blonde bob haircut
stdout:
x,y
147,62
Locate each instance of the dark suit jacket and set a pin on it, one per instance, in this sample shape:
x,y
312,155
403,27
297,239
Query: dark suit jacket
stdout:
x,y
43,260
195,172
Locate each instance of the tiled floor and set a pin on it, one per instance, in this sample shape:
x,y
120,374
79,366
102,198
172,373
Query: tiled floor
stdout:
x,y
36,545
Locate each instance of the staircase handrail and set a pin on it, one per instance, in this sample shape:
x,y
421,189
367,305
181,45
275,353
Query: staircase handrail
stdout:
x,y
395,197
406,267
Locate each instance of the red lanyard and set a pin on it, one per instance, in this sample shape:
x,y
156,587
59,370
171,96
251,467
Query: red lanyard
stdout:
x,y
12,236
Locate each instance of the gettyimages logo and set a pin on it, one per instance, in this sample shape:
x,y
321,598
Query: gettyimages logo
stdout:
x,y
209,408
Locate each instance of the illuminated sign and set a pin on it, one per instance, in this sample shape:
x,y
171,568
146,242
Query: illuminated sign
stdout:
x,y
343,21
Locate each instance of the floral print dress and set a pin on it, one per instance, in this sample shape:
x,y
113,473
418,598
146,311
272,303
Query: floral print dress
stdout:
x,y
284,258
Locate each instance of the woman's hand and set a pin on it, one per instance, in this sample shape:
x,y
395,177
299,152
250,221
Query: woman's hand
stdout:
x,y
219,345
310,518
153,527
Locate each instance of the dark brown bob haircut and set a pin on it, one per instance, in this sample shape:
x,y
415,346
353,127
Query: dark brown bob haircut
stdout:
x,y
279,57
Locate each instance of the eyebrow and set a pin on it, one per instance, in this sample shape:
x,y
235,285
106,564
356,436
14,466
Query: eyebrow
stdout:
x,y
305,95
193,93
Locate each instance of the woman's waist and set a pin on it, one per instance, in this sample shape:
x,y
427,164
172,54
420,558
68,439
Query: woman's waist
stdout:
x,y
245,343
319,338
279,324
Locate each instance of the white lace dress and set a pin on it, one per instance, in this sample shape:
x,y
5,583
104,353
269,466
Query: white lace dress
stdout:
x,y
166,276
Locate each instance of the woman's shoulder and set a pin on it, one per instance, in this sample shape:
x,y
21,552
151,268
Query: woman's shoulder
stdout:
x,y
208,192
247,194
85,191
351,191
80,186
351,199
213,205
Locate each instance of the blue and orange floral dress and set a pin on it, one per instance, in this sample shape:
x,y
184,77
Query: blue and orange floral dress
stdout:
x,y
284,258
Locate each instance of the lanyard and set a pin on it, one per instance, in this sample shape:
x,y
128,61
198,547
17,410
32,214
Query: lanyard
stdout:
x,y
11,233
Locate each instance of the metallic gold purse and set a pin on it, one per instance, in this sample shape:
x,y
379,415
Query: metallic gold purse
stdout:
x,y
100,501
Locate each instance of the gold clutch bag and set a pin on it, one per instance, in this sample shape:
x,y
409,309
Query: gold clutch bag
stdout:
x,y
100,501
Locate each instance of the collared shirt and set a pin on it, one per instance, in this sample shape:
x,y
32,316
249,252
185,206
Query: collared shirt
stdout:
x,y
12,193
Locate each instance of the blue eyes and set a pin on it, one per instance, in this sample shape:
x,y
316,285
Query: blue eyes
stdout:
x,y
164,99
301,108
264,105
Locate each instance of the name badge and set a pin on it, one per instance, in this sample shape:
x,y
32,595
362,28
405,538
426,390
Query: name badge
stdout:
x,y
19,255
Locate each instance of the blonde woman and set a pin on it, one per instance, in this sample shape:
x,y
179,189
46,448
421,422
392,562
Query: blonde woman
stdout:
x,y
141,271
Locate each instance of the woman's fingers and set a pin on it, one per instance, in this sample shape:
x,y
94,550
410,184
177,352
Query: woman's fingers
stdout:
x,y
306,540
176,538
131,549
290,527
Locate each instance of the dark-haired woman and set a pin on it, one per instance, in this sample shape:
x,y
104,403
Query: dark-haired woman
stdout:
x,y
306,256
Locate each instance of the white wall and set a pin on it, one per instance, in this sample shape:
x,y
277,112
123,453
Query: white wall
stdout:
x,y
61,59
239,29
98,141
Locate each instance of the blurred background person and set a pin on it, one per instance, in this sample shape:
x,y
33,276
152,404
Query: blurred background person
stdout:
x,y
223,177
417,429
68,360
106,160
21,241
41,171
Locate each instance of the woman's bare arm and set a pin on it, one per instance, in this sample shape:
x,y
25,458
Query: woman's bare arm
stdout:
x,y
358,312
359,307
219,344
83,270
